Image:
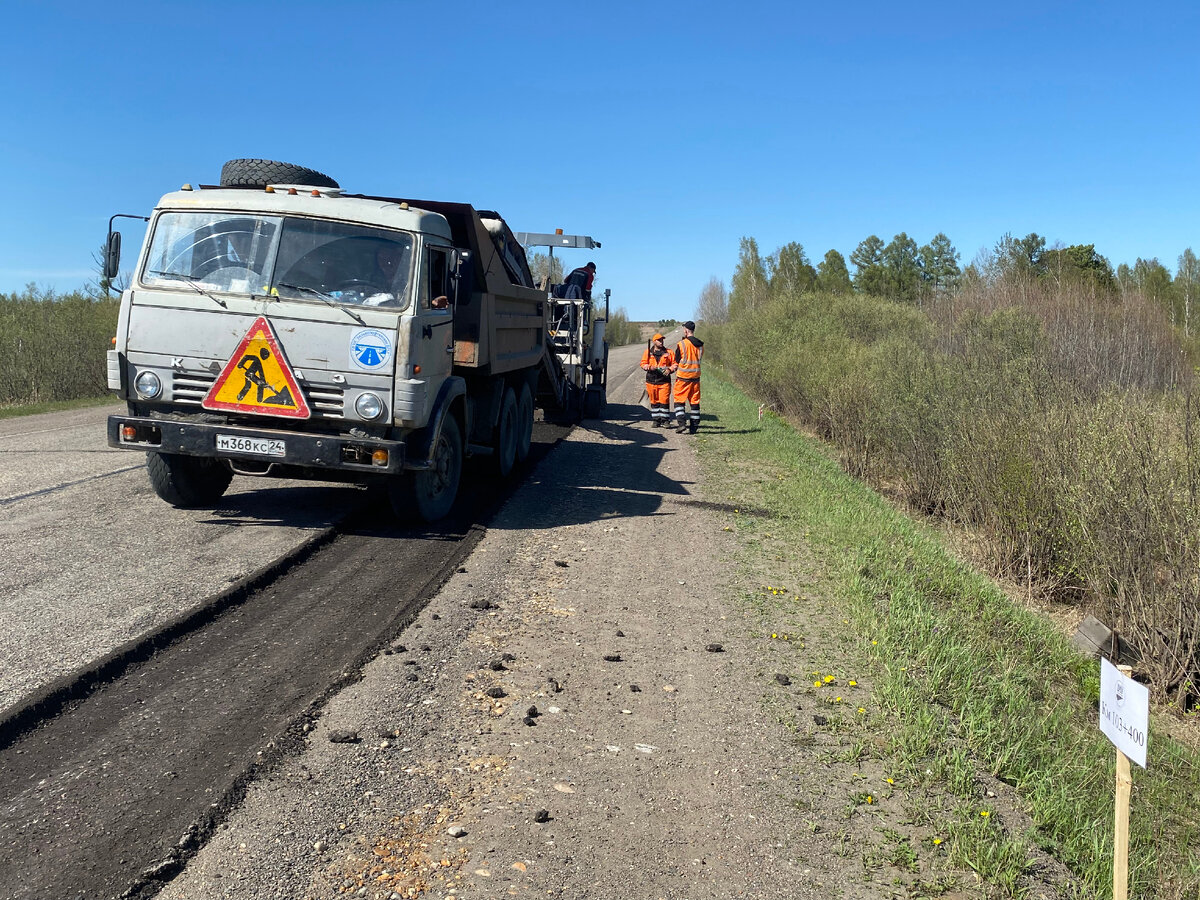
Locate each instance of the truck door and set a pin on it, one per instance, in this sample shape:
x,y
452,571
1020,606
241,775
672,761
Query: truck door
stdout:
x,y
434,315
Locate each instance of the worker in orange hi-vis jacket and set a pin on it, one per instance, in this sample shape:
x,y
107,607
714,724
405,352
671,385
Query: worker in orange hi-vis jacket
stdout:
x,y
687,379
658,363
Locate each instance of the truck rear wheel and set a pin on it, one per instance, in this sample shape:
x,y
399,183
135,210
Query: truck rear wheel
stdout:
x,y
188,482
261,172
524,423
430,493
506,434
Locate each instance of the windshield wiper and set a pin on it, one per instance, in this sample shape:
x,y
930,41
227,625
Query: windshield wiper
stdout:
x,y
321,295
193,283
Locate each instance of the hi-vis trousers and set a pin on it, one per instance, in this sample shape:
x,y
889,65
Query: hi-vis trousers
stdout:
x,y
687,393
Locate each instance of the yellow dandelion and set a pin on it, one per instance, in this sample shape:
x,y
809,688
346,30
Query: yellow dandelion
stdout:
x,y
829,679
774,635
862,709
816,684
984,813
870,799
936,841
853,683
889,781
837,699
873,643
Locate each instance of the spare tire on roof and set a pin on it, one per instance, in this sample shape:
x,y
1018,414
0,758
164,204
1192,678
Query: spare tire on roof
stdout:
x,y
260,172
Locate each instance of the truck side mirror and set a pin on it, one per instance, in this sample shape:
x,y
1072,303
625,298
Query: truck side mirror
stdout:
x,y
112,255
462,272
462,257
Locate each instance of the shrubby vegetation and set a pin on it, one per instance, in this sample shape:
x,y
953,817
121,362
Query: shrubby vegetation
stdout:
x,y
619,330
1036,395
52,346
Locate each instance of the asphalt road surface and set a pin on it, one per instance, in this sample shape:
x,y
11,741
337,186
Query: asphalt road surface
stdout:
x,y
106,796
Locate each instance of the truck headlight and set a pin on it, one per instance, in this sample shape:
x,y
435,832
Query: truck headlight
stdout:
x,y
368,406
148,385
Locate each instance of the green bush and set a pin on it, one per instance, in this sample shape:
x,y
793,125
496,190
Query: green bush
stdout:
x,y
52,347
1062,432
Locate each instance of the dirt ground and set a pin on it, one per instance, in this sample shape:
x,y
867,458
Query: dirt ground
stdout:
x,y
594,706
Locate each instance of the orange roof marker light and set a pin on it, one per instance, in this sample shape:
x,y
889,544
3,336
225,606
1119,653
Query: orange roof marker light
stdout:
x,y
316,193
269,189
292,191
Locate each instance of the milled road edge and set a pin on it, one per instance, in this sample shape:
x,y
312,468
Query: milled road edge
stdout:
x,y
291,738
47,702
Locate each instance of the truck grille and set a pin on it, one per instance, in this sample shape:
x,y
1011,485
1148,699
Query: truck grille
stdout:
x,y
189,388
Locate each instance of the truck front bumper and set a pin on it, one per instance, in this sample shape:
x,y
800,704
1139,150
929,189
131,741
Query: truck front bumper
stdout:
x,y
323,451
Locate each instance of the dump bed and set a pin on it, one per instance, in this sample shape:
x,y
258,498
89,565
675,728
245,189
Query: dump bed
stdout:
x,y
500,318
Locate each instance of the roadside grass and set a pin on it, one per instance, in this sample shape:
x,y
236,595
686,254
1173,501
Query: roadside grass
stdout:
x,y
969,684
32,409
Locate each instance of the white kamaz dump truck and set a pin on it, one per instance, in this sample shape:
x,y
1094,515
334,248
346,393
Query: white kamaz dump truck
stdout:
x,y
277,325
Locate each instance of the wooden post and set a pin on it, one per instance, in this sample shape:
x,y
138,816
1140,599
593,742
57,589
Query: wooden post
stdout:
x,y
1121,829
1121,835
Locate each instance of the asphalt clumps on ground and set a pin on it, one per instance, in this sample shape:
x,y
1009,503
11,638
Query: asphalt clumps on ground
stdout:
x,y
783,679
612,657
715,648
542,815
343,736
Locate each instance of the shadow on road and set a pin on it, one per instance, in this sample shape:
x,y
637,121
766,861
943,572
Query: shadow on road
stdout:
x,y
589,481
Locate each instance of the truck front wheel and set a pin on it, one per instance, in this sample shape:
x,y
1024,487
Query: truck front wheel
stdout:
x,y
188,482
430,493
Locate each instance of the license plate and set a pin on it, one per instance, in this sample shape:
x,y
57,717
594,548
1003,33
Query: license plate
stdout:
x,y
262,446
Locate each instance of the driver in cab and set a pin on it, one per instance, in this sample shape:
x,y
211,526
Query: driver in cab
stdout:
x,y
390,261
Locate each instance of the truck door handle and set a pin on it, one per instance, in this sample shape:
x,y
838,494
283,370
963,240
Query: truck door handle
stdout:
x,y
450,349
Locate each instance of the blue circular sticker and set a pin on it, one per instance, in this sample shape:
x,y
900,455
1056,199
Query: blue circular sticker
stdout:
x,y
370,349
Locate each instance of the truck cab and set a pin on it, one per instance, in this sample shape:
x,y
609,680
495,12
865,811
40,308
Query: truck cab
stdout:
x,y
290,329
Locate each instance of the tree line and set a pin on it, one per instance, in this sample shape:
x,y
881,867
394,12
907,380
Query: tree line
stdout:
x,y
906,272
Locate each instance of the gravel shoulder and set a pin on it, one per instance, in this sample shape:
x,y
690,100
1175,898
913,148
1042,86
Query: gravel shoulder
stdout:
x,y
588,708
644,752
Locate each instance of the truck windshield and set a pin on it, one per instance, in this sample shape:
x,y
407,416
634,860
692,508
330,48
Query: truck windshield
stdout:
x,y
301,259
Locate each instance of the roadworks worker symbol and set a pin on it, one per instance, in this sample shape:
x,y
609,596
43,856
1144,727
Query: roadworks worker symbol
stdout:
x,y
258,379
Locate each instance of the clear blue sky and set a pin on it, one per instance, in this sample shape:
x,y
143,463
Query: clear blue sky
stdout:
x,y
666,131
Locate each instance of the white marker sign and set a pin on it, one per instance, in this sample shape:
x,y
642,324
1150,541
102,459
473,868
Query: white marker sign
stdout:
x,y
1124,712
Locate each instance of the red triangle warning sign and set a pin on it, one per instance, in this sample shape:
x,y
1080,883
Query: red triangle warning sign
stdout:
x,y
257,379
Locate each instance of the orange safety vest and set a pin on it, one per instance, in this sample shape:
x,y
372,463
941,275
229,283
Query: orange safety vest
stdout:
x,y
650,364
687,355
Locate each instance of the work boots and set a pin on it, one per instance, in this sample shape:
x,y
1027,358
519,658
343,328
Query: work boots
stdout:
x,y
682,426
693,426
